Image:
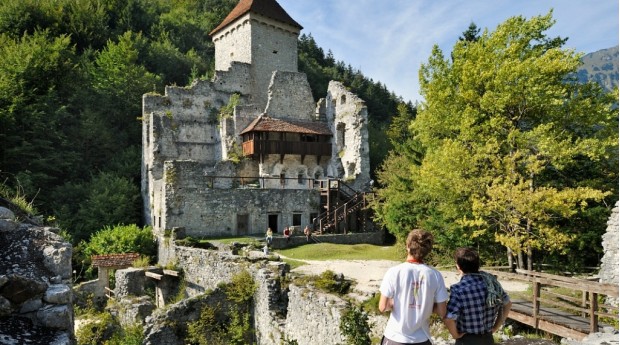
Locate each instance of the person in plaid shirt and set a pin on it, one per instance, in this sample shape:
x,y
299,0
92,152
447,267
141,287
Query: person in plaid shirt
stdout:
x,y
478,304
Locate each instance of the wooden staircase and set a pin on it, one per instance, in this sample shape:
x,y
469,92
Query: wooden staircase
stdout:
x,y
345,209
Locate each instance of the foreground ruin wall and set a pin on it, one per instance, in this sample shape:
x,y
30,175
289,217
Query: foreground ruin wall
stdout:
x,y
35,284
609,263
282,311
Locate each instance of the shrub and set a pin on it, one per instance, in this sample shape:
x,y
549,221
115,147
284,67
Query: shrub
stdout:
x,y
354,325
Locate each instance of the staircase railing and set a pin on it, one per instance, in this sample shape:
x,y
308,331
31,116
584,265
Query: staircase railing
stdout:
x,y
330,219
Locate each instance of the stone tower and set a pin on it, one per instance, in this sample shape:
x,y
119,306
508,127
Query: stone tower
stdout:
x,y
251,148
259,33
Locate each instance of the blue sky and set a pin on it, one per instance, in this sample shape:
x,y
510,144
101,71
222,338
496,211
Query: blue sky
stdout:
x,y
388,40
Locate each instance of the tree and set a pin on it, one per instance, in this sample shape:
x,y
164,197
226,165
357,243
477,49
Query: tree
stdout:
x,y
122,239
505,134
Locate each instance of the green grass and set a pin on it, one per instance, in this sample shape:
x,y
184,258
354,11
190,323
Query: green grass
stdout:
x,y
330,251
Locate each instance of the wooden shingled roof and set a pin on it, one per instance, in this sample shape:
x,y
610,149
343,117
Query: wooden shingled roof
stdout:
x,y
114,260
267,8
268,124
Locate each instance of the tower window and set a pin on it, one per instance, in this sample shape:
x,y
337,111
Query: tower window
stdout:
x,y
275,52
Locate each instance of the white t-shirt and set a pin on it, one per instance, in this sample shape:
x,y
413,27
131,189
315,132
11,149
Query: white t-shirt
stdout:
x,y
414,289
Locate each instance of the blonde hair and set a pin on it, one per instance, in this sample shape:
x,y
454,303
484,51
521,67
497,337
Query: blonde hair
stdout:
x,y
419,243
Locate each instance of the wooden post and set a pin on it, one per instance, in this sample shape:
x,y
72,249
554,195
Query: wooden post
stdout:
x,y
535,302
344,218
584,302
593,312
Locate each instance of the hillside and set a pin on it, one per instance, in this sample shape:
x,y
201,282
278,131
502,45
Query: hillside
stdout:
x,y
602,67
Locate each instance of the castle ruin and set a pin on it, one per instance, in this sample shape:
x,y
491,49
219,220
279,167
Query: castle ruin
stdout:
x,y
251,149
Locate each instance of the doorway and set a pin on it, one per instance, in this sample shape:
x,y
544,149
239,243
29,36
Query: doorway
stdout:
x,y
273,222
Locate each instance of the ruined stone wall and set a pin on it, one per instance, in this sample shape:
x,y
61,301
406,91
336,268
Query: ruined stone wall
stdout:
x,y
184,124
313,317
347,117
206,207
609,262
35,284
290,96
280,312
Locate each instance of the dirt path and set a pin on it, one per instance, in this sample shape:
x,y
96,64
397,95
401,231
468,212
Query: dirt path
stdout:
x,y
369,273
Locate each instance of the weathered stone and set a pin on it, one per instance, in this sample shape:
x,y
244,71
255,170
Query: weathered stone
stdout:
x,y
58,317
129,282
31,305
57,258
3,280
58,294
5,213
5,307
134,310
7,225
609,262
19,289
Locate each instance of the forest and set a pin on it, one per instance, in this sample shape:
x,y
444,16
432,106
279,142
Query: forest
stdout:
x,y
490,167
72,76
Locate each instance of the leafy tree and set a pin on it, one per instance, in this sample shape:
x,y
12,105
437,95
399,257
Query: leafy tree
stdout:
x,y
505,136
472,34
122,239
106,199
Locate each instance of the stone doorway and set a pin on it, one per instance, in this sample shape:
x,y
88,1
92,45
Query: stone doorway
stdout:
x,y
273,222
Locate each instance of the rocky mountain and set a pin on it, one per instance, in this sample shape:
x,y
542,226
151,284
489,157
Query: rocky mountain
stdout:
x,y
601,67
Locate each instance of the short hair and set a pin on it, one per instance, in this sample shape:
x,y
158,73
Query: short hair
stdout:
x,y
419,243
467,259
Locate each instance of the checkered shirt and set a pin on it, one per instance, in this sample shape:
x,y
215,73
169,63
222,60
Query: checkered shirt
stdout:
x,y
468,306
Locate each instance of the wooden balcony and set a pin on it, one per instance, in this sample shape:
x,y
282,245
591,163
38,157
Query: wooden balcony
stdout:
x,y
262,147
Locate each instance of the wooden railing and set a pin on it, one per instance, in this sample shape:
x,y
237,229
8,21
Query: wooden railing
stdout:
x,y
578,297
252,147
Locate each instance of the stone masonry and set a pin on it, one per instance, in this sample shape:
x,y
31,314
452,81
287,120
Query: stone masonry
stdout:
x,y
609,263
35,284
194,174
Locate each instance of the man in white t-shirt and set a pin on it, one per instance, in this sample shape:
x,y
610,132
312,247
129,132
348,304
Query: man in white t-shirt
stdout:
x,y
412,291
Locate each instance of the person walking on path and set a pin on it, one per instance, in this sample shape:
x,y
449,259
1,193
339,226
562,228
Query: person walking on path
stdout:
x,y
412,291
478,304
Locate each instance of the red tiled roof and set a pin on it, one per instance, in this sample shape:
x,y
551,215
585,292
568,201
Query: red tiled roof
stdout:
x,y
269,124
267,8
114,260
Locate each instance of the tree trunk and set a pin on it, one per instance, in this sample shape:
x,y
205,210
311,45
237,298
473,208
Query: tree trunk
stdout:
x,y
520,259
511,259
530,261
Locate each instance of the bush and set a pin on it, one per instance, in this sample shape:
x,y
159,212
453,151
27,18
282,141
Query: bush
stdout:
x,y
354,325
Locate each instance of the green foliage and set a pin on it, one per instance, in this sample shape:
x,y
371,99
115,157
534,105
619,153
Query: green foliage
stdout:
x,y
228,110
214,327
497,152
207,330
122,239
354,325
327,281
241,288
97,329
107,199
129,335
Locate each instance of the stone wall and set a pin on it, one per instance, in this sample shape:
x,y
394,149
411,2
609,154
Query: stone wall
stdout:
x,y
281,312
609,262
347,117
35,284
204,207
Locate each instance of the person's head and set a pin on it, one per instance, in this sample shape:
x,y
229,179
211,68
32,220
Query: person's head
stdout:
x,y
467,259
419,244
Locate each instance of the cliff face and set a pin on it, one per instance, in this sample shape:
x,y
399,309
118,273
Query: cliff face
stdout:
x,y
35,283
